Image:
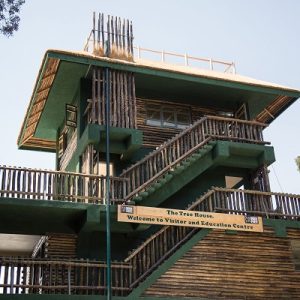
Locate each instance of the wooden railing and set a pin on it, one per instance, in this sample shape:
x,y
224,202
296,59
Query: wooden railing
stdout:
x,y
156,250
184,144
55,185
249,202
161,245
186,60
37,276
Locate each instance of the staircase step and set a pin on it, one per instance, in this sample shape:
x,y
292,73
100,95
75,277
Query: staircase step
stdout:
x,y
192,159
208,147
151,190
186,163
169,176
157,185
143,194
162,180
137,198
197,155
178,169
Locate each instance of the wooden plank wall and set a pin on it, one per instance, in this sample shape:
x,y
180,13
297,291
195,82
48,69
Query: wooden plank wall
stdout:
x,y
59,245
154,136
234,266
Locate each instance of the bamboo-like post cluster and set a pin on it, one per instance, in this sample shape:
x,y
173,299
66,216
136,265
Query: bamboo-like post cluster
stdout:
x,y
112,37
122,100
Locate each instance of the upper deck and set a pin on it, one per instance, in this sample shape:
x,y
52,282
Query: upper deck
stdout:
x,y
59,78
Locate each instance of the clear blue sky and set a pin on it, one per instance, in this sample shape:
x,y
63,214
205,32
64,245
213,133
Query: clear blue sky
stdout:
x,y
262,37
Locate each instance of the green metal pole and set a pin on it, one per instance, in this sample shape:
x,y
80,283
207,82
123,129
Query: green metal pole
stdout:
x,y
108,237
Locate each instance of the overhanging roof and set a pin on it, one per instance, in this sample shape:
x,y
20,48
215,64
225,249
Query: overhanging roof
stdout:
x,y
61,71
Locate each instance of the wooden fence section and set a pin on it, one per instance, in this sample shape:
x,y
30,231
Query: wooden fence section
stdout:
x,y
37,276
111,36
174,151
249,202
54,185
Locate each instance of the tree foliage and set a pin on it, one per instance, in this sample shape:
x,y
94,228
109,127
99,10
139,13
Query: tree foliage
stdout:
x,y
298,162
9,16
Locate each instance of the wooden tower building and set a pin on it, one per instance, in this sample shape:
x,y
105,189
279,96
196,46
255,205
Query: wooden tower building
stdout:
x,y
180,137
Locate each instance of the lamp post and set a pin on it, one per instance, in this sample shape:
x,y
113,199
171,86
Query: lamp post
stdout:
x,y
107,196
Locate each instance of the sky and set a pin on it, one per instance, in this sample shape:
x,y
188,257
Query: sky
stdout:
x,y
261,37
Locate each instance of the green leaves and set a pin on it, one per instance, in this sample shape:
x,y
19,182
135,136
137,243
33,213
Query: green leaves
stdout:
x,y
298,162
9,16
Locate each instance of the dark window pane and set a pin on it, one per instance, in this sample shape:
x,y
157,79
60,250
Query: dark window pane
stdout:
x,y
169,119
153,118
183,120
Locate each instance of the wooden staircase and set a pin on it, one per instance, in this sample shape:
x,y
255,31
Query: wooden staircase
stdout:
x,y
161,245
172,157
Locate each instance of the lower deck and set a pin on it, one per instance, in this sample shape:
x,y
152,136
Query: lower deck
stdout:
x,y
210,264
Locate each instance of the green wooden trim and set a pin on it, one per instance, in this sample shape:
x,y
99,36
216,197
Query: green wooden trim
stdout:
x,y
123,141
24,147
130,67
136,293
280,226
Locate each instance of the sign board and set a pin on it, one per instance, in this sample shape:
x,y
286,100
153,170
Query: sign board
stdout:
x,y
188,218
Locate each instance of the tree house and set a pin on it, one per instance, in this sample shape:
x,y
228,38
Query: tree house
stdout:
x,y
180,137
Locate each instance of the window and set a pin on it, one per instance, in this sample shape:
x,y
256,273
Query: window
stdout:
x,y
166,116
225,114
153,117
71,115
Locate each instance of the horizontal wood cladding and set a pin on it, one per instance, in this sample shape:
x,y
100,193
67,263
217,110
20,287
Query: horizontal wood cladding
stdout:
x,y
60,245
234,266
154,136
273,109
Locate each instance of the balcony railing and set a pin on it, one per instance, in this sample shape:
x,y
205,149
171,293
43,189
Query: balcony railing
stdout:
x,y
37,276
55,185
250,202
